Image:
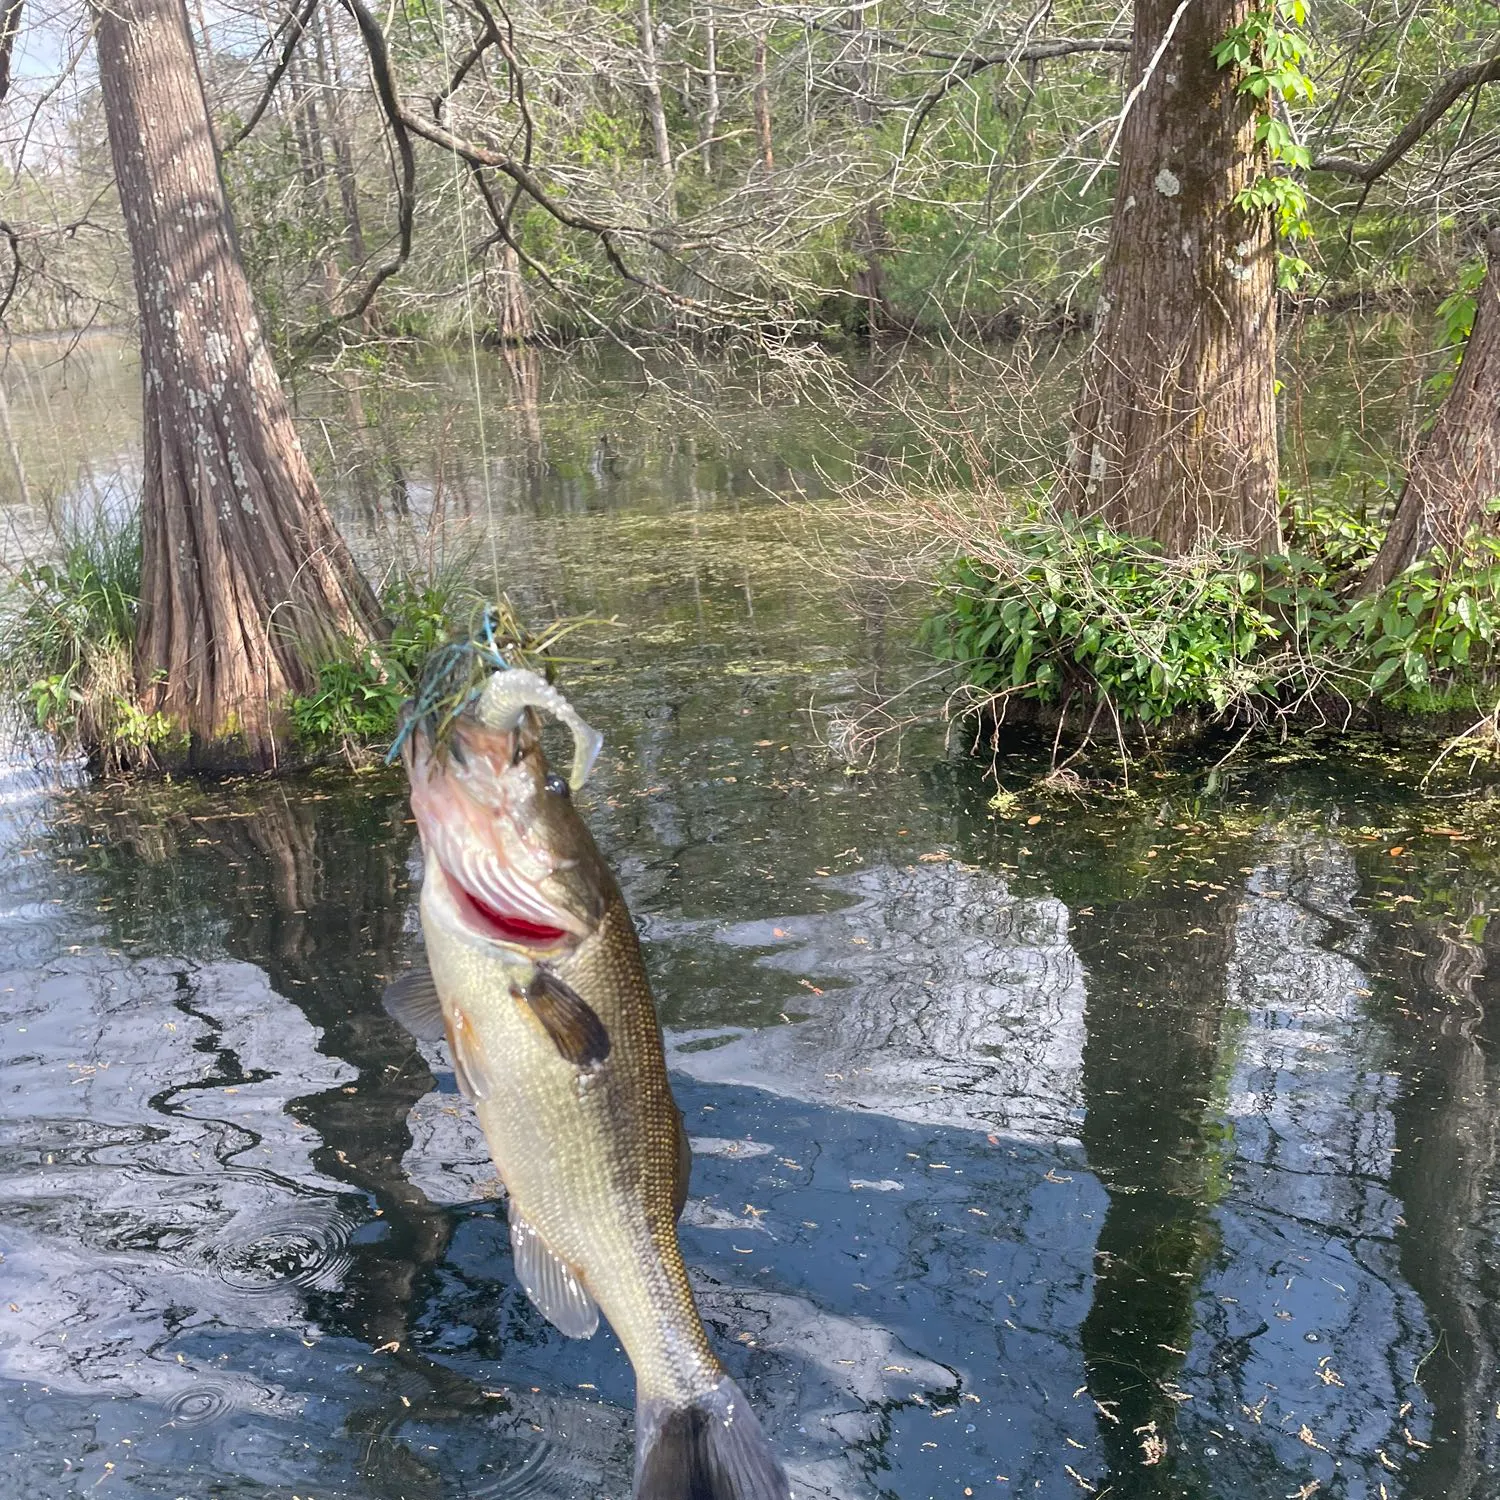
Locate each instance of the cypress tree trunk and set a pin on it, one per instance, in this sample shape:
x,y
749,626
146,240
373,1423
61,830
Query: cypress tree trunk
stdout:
x,y
244,577
1455,473
1175,430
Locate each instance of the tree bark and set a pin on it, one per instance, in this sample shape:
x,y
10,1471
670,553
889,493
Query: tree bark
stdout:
x,y
244,581
762,99
10,29
1455,472
1174,435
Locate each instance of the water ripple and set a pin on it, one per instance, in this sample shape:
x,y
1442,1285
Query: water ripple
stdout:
x,y
202,1402
298,1245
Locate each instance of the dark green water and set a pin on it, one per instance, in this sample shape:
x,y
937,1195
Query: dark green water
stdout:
x,y
1143,1145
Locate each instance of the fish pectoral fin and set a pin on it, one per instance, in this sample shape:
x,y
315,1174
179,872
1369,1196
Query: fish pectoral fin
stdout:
x,y
571,1022
412,999
551,1284
471,1068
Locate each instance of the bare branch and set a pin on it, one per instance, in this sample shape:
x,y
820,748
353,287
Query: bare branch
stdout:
x,y
1437,104
406,185
476,155
14,241
966,68
296,28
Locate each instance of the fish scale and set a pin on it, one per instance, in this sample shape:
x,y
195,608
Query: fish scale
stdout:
x,y
590,1159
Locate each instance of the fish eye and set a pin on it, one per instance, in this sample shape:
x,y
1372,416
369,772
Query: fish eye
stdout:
x,y
556,785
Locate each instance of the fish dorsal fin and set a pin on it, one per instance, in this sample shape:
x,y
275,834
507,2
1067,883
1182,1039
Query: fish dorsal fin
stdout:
x,y
471,1067
551,1285
572,1023
412,999
684,1167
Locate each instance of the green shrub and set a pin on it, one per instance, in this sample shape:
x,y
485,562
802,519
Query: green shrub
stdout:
x,y
360,691
1434,627
1082,609
1069,612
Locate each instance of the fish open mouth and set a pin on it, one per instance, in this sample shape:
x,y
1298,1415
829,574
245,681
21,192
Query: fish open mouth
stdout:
x,y
490,921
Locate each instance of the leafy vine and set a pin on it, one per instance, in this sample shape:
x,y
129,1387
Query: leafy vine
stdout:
x,y
1272,53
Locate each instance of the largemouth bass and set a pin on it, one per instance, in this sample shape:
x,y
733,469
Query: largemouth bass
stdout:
x,y
537,984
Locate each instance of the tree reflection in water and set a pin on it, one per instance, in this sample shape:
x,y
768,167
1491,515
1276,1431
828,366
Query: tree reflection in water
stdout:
x,y
1156,977
1441,1003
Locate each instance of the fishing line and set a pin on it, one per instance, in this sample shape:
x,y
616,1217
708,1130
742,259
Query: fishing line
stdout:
x,y
484,453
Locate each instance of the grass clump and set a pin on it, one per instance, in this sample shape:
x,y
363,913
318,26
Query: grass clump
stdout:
x,y
70,642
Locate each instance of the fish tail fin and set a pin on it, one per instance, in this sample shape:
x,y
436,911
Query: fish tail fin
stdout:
x,y
713,1448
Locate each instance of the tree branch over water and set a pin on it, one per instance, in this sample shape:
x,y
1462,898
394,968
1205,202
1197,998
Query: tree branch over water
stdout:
x,y
966,68
1437,104
296,28
607,234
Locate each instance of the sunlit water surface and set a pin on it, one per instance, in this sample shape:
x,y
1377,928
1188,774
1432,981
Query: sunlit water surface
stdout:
x,y
1143,1145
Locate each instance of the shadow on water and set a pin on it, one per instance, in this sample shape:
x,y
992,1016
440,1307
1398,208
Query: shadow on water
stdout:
x,y
1141,1146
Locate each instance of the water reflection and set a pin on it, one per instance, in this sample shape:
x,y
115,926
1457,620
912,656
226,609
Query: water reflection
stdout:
x,y
1145,1143
1156,970
1439,1002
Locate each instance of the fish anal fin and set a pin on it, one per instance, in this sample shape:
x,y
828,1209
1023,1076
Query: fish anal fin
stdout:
x,y
553,1286
572,1023
683,1167
470,1066
412,999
